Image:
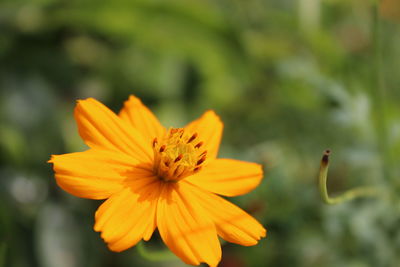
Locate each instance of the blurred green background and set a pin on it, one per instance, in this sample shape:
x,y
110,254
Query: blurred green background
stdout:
x,y
289,78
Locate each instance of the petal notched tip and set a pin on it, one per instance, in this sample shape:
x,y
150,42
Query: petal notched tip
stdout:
x,y
55,158
52,158
140,117
259,174
264,234
80,102
133,99
211,114
134,102
81,105
261,234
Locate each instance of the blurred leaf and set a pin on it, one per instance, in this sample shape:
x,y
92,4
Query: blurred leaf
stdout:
x,y
3,250
390,9
58,242
12,144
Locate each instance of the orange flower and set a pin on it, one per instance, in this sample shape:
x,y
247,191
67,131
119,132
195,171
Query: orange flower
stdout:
x,y
153,177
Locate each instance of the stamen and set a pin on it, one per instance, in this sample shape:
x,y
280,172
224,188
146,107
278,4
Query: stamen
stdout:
x,y
162,148
177,155
200,161
179,170
173,131
198,145
178,158
192,138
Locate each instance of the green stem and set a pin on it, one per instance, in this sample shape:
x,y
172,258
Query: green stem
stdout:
x,y
346,196
379,94
162,255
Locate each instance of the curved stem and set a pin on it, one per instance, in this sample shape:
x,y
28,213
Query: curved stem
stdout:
x,y
161,255
346,196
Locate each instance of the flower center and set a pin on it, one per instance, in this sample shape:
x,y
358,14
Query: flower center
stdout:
x,y
177,155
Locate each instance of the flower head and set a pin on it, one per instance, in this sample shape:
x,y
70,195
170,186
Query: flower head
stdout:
x,y
158,178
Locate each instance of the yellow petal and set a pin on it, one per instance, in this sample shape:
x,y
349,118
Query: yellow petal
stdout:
x,y
129,216
101,128
141,118
185,227
228,177
209,129
233,224
93,173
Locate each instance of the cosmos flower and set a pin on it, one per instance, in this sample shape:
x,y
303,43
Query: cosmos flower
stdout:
x,y
158,178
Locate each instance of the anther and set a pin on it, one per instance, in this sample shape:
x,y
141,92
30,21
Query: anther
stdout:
x,y
200,161
178,155
192,138
178,158
198,145
162,148
172,131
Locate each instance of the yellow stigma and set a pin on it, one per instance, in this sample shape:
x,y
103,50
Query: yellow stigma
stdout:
x,y
177,155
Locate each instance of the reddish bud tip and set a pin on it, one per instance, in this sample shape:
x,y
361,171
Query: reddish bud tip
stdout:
x,y
325,157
